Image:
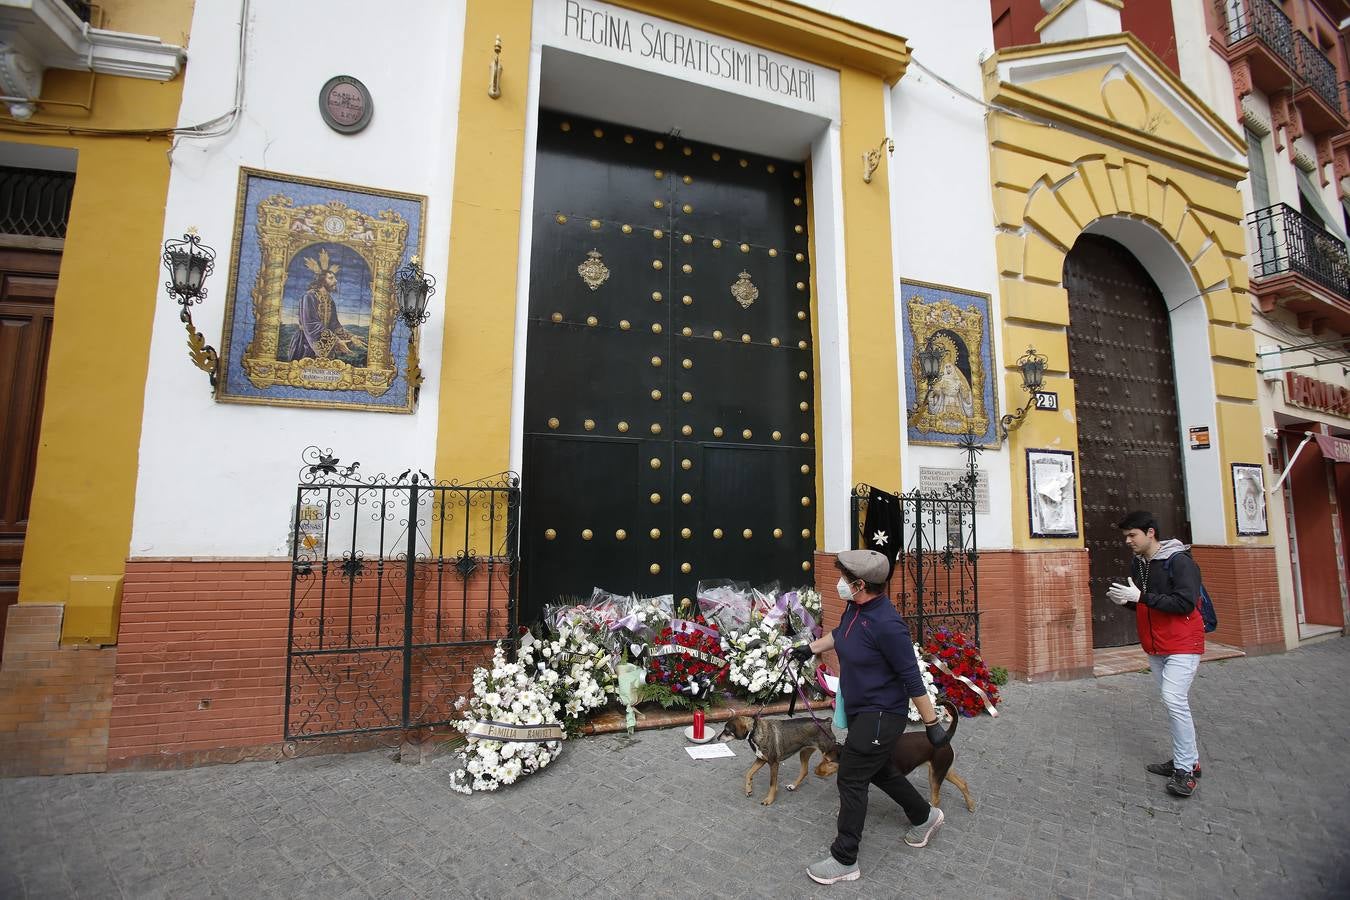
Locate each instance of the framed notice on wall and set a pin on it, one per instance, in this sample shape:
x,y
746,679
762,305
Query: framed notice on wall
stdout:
x,y
1052,495
1249,500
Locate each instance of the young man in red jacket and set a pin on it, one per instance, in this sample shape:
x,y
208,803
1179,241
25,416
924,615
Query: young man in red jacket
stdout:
x,y
1164,589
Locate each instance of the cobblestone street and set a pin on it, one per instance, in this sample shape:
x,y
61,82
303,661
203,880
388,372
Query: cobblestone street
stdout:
x,y
1063,809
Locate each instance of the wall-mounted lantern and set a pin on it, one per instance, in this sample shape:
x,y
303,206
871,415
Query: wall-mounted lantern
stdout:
x,y
189,263
413,288
1032,365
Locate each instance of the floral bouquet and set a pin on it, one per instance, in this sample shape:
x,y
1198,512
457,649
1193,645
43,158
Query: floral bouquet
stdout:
x,y
927,686
686,662
576,667
961,657
511,723
756,656
639,621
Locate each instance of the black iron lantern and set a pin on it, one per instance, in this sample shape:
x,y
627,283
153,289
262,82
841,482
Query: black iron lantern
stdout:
x,y
413,288
189,263
1032,365
930,361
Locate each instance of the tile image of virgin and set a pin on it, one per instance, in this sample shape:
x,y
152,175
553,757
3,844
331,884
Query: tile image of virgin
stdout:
x,y
950,397
326,306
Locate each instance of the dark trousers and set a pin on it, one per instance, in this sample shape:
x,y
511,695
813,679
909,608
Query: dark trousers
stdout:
x,y
866,760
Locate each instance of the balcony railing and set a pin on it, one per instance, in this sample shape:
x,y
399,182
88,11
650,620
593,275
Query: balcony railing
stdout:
x,y
1315,69
1289,242
1262,19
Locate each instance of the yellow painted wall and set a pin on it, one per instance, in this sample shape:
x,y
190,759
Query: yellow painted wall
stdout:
x,y
80,518
1049,184
480,315
875,387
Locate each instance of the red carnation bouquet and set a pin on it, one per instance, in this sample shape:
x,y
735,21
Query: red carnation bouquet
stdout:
x,y
687,658
959,653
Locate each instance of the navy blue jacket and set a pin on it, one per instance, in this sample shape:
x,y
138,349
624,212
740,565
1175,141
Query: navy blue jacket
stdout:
x,y
878,669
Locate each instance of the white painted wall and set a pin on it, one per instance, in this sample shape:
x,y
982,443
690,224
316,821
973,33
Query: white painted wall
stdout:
x,y
942,211
218,479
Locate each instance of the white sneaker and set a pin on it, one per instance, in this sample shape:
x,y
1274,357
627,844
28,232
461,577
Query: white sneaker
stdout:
x,y
829,870
919,835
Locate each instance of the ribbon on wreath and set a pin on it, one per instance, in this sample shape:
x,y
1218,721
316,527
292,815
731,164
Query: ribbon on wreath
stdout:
x,y
685,626
487,730
700,655
791,602
979,692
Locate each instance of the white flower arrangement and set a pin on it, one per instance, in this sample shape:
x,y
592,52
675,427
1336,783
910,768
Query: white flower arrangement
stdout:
x,y
927,685
755,657
508,693
575,667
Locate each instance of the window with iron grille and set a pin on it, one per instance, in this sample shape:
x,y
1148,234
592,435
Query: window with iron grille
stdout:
x,y
35,202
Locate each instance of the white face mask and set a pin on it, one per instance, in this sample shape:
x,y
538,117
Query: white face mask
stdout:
x,y
845,592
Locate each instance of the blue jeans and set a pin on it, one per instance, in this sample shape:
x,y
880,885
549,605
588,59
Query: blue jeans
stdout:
x,y
1173,674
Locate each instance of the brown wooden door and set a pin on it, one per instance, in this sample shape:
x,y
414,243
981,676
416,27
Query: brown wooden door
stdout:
x,y
27,292
1129,438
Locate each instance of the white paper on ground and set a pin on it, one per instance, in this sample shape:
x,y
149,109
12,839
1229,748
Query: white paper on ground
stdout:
x,y
710,751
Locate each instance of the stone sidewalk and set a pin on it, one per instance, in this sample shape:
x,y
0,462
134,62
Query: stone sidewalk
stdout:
x,y
1063,809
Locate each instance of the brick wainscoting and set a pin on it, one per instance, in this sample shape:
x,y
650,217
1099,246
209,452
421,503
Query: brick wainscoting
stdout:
x,y
54,700
201,663
1246,593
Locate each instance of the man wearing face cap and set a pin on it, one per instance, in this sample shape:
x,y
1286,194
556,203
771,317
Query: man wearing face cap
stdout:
x,y
878,677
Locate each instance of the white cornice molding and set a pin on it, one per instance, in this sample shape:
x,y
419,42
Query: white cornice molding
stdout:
x,y
1304,161
53,37
1253,119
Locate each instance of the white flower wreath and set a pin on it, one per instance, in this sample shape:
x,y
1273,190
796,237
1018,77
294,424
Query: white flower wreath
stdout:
x,y
508,694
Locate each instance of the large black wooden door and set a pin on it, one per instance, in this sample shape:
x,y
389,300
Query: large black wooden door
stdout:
x,y
669,386
1129,438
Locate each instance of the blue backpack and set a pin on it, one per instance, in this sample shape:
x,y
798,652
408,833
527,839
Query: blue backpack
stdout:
x,y
1204,604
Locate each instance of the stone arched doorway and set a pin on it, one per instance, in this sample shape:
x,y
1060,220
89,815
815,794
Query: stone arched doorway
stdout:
x,y
1129,436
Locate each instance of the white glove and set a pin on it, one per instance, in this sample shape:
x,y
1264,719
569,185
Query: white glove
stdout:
x,y
1121,594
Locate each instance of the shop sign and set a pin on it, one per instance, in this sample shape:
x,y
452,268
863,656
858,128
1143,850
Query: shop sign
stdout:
x,y
1310,393
1333,448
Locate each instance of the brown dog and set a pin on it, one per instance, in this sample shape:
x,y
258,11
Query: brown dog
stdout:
x,y
914,749
774,740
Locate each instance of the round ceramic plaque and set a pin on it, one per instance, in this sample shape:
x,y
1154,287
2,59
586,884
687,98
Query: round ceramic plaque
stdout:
x,y
345,104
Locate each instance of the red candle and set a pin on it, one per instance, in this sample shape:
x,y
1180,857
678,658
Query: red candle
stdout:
x,y
698,724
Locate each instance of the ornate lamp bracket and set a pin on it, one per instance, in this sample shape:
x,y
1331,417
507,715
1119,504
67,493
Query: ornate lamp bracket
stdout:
x,y
189,262
872,158
1032,365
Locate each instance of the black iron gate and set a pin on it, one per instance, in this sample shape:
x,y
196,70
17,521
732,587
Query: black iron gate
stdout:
x,y
935,582
399,588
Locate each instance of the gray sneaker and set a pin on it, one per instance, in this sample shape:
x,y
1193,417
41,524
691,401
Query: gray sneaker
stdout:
x,y
829,870
919,835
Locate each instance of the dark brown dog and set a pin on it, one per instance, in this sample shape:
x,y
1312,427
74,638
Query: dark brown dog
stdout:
x,y
774,740
914,749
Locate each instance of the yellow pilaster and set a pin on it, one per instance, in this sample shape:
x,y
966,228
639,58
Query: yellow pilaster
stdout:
x,y
479,336
85,485
875,388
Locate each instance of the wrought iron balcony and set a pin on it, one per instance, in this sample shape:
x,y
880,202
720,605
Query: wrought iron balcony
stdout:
x,y
1288,242
1318,72
1260,19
